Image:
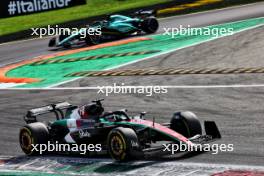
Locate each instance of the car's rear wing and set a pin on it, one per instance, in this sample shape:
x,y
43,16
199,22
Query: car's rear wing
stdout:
x,y
57,109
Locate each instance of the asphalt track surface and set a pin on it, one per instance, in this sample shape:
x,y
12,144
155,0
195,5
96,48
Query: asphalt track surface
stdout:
x,y
237,111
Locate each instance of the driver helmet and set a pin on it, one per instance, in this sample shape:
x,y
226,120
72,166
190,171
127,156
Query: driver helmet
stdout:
x,y
91,111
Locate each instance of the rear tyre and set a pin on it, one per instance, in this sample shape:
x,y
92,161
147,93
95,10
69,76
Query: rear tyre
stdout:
x,y
150,25
32,134
121,143
186,123
66,45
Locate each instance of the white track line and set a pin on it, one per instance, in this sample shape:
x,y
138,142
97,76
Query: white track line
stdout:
x,y
9,85
215,86
191,173
165,86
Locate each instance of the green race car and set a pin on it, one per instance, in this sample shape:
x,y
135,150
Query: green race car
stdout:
x,y
113,28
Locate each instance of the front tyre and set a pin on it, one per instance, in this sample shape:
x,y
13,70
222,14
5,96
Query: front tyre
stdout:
x,y
52,42
150,25
32,134
121,143
186,123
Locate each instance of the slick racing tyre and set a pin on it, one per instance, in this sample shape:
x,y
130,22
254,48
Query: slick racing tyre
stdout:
x,y
32,134
121,143
93,39
150,25
186,123
52,42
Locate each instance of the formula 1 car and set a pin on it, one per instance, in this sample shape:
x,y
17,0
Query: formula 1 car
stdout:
x,y
113,28
123,137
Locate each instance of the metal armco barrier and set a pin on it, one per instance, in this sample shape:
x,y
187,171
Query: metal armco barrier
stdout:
x,y
166,71
9,8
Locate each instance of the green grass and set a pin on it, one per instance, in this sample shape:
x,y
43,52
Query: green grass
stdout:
x,y
92,8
